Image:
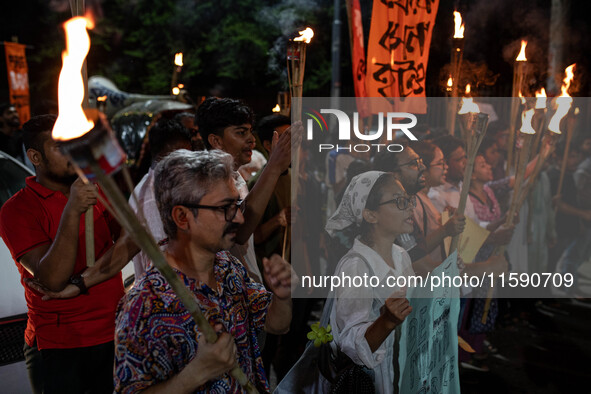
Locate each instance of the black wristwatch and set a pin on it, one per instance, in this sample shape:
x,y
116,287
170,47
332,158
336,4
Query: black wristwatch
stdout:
x,y
78,281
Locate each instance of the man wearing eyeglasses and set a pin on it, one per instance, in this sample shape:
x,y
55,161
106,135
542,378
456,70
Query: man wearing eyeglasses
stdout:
x,y
410,171
158,346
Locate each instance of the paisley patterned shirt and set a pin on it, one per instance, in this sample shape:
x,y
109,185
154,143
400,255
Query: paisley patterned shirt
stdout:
x,y
155,337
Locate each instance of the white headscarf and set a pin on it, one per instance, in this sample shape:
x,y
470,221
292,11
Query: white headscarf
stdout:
x,y
350,210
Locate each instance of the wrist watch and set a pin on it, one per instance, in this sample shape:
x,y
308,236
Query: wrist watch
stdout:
x,y
78,281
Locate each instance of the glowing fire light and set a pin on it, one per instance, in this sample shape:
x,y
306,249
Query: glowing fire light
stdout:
x,y
305,35
450,82
526,118
458,25
178,59
176,90
180,85
521,97
468,106
568,78
521,56
102,98
540,99
563,102
72,122
277,108
468,89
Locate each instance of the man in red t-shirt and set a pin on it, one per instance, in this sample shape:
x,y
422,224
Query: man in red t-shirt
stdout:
x,y
43,227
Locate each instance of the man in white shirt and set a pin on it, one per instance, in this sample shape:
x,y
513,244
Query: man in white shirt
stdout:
x,y
165,137
226,124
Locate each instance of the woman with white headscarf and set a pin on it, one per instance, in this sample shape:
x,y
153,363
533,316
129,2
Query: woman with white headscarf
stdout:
x,y
364,318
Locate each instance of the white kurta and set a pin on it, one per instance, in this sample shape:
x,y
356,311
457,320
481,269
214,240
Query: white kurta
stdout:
x,y
147,213
355,309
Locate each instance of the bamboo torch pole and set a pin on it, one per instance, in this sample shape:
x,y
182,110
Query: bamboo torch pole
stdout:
x,y
563,104
517,89
296,65
78,9
473,124
528,135
456,68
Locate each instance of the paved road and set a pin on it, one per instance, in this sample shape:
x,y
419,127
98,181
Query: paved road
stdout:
x,y
549,352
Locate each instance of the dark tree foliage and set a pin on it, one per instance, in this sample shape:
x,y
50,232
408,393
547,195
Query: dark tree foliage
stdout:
x,y
231,48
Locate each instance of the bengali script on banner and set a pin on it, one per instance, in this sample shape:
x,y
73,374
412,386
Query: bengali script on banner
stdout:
x,y
398,53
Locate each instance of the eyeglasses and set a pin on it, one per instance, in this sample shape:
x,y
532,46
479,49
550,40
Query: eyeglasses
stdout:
x,y
440,163
458,159
415,163
402,202
230,210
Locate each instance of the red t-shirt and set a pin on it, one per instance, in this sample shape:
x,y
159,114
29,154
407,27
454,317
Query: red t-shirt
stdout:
x,y
30,219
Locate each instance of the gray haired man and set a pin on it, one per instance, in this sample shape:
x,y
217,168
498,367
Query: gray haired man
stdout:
x,y
158,345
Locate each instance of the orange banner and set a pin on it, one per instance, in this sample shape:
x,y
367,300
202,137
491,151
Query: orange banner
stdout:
x,y
358,56
18,79
399,42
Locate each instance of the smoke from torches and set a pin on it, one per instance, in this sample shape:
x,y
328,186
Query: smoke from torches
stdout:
x,y
72,122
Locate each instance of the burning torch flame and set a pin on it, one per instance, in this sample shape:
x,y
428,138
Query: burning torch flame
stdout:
x,y
305,35
526,118
176,90
540,99
450,83
563,102
178,59
181,86
468,89
569,73
521,97
72,122
521,56
458,25
277,108
102,98
468,106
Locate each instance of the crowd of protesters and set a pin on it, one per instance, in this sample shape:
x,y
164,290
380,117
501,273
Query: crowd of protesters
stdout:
x,y
225,226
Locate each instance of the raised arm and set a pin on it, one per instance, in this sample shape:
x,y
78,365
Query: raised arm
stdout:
x,y
259,196
53,264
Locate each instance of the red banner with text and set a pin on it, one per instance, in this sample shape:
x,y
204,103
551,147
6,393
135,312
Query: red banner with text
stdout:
x,y
358,57
399,42
18,79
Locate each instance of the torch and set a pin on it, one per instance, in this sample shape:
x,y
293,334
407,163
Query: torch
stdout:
x,y
296,64
528,135
563,104
92,148
538,124
518,77
178,66
473,126
456,66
